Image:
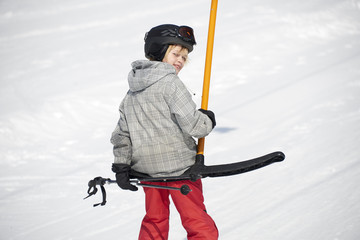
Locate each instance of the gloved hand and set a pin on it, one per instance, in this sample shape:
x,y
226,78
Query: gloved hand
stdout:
x,y
122,176
210,114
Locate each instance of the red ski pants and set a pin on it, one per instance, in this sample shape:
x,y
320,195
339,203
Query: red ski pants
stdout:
x,y
198,224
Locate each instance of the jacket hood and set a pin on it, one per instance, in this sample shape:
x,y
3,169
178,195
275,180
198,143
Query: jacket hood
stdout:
x,y
144,73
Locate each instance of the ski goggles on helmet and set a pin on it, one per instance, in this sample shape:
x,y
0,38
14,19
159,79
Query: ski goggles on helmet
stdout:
x,y
184,33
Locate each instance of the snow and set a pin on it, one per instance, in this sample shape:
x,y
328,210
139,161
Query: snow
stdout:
x,y
285,77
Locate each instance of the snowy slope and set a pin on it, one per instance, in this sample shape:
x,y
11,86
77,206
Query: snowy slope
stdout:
x,y
285,77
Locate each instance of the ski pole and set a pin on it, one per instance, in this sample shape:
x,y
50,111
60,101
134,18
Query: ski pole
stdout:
x,y
100,181
184,189
207,73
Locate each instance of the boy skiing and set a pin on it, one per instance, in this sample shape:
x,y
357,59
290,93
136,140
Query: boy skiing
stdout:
x,y
154,135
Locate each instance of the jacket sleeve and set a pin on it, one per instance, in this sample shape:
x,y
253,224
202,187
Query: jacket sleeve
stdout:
x,y
183,108
121,140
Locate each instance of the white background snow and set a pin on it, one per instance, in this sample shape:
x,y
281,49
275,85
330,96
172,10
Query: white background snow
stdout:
x,y
285,76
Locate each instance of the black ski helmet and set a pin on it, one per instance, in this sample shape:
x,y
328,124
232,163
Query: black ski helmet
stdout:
x,y
158,39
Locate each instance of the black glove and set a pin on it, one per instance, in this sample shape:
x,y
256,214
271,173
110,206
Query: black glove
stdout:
x,y
122,176
210,114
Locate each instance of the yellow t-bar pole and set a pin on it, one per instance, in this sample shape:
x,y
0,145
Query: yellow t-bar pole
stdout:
x,y
208,61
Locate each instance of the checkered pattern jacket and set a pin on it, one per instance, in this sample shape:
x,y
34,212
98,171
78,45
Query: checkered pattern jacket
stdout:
x,y
158,120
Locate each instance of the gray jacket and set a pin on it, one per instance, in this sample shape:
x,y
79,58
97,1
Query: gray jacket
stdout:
x,y
158,120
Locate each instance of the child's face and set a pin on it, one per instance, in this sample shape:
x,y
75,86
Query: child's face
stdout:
x,y
177,57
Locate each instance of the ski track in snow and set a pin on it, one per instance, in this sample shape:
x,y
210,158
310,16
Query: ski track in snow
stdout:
x,y
285,76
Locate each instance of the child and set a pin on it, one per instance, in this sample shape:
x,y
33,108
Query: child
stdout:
x,y
154,135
